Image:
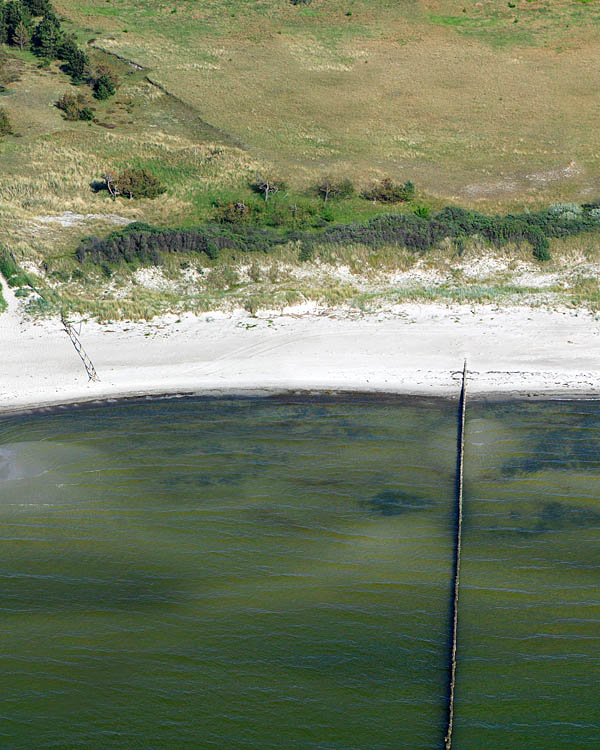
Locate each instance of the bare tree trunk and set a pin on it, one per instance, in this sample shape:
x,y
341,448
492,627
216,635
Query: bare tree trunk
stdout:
x,y
111,186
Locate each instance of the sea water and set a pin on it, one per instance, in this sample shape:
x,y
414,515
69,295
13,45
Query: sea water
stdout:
x,y
529,633
231,573
277,573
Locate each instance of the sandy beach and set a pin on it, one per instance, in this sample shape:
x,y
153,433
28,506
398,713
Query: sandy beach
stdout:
x,y
412,349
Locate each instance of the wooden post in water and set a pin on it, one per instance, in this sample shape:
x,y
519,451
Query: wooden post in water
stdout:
x,y
457,550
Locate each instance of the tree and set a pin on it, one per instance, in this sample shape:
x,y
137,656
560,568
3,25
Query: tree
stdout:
x,y
15,14
267,186
103,87
38,7
77,62
329,188
78,66
5,126
135,183
104,82
48,37
3,27
21,36
67,48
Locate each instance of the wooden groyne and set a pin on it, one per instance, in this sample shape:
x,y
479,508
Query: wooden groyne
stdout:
x,y
457,552
72,334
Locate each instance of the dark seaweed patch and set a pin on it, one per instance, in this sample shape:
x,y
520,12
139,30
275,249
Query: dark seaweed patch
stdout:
x,y
394,503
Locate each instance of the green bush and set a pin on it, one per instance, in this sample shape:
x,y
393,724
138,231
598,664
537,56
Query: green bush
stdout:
x,y
388,191
138,183
104,82
5,126
9,268
415,232
38,7
330,188
75,107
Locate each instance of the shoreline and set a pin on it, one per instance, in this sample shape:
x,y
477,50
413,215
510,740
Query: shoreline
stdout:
x,y
297,395
413,349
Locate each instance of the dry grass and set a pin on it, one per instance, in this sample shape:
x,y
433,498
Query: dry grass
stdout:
x,y
469,105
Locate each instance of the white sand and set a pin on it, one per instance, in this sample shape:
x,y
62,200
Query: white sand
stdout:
x,y
419,349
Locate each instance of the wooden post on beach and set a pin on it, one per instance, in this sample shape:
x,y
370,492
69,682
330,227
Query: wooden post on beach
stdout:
x,y
87,362
457,551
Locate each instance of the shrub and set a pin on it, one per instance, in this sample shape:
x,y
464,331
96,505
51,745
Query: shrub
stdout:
x,y
75,107
330,188
388,191
103,87
423,211
237,212
16,16
76,61
138,183
5,124
411,231
141,242
104,82
9,268
21,36
77,66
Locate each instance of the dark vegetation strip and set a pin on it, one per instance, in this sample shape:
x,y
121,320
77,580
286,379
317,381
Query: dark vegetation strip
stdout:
x,y
140,242
460,462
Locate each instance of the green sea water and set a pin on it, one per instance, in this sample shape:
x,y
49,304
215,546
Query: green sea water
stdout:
x,y
277,573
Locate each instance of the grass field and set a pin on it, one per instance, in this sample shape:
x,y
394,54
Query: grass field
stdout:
x,y
496,104
494,107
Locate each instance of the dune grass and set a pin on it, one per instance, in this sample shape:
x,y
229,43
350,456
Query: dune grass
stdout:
x,y
493,104
491,108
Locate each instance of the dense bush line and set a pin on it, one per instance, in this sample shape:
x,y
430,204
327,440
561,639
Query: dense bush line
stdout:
x,y
422,233
144,243
141,242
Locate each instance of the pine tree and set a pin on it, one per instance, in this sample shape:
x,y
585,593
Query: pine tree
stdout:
x,y
47,37
15,14
67,48
38,7
77,67
21,36
3,27
104,85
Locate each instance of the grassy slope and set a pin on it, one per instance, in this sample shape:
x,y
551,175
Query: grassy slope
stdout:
x,y
471,104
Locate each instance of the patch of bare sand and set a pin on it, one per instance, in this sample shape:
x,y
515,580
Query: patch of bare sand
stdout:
x,y
409,349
